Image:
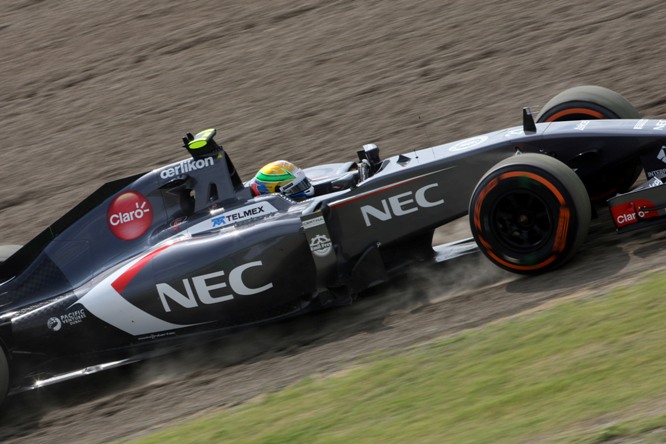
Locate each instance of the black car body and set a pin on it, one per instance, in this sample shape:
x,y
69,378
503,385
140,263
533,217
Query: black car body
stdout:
x,y
149,260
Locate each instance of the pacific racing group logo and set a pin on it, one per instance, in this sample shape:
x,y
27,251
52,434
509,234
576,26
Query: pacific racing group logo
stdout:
x,y
75,317
54,324
130,215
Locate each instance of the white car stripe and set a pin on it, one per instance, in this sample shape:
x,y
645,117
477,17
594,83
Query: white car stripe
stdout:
x,y
109,306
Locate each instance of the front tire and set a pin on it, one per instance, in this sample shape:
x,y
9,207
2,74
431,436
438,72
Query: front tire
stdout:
x,y
530,213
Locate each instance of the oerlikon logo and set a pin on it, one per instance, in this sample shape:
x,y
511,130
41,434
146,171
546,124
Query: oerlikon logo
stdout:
x,y
130,215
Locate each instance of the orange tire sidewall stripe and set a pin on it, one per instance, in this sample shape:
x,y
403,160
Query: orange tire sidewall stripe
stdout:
x,y
562,224
562,230
569,111
482,195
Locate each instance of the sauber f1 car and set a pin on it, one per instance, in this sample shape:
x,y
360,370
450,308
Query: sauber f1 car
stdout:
x,y
148,261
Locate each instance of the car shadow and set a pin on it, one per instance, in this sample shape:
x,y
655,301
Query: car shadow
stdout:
x,y
600,259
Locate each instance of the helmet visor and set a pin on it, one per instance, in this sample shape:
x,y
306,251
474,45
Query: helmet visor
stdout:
x,y
292,189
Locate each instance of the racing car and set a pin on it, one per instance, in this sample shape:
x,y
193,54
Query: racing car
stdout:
x,y
147,262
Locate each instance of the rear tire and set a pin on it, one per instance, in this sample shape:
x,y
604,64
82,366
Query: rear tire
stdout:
x,y
530,213
589,103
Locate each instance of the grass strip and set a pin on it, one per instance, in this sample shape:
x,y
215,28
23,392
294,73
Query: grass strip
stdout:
x,y
584,370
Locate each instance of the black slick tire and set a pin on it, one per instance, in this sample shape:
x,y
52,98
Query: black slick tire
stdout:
x,y
530,213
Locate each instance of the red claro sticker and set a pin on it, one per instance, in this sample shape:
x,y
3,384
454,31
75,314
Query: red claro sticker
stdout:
x,y
130,215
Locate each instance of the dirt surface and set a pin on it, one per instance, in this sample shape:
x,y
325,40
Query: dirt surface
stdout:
x,y
94,90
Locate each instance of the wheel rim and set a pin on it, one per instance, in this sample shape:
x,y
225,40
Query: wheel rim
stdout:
x,y
522,220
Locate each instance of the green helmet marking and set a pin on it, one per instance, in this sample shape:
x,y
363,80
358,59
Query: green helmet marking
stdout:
x,y
274,177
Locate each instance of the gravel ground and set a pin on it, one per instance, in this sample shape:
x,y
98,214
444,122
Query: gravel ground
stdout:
x,y
93,90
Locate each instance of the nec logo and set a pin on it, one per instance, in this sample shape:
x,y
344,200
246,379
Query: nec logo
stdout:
x,y
199,288
400,205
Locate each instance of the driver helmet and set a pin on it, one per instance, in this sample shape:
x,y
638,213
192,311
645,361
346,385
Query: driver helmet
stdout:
x,y
282,177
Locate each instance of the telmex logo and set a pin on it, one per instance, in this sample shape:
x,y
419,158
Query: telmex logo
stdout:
x,y
400,205
198,289
243,213
130,215
186,166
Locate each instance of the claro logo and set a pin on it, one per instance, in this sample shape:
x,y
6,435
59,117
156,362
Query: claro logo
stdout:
x,y
400,205
129,215
633,212
200,288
